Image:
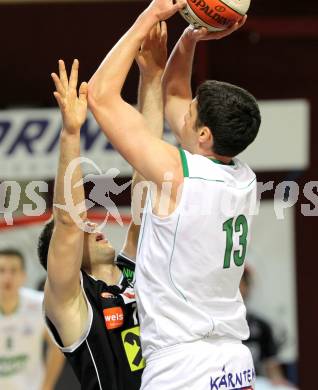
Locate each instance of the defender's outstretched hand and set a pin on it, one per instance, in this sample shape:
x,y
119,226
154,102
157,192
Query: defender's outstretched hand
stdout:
x,y
73,107
202,34
164,9
152,57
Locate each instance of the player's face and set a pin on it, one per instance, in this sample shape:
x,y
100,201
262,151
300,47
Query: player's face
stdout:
x,y
12,275
97,248
189,134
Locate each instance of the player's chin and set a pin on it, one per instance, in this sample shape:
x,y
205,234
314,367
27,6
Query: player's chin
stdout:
x,y
106,246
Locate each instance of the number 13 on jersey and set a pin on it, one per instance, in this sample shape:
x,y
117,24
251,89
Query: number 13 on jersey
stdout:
x,y
235,226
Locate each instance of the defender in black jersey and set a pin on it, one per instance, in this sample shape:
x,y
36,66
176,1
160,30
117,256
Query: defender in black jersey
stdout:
x,y
108,355
89,299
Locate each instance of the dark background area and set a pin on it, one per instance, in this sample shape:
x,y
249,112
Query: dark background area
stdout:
x,y
274,56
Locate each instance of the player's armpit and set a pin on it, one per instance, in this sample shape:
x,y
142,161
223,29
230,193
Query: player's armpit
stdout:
x,y
70,318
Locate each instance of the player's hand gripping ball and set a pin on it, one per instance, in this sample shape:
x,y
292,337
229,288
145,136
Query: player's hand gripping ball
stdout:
x,y
215,15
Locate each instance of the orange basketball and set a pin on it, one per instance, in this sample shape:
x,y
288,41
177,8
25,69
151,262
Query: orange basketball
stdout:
x,y
215,15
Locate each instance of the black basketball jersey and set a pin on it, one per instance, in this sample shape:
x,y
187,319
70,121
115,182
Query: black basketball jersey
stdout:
x,y
109,355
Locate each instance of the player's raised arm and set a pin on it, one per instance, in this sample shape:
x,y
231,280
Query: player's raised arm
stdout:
x,y
66,246
125,127
177,77
151,60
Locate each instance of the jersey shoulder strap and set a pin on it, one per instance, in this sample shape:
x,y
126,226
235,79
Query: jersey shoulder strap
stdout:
x,y
235,174
127,266
196,166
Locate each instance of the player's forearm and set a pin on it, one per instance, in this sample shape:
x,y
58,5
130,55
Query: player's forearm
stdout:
x,y
150,103
177,75
109,78
69,151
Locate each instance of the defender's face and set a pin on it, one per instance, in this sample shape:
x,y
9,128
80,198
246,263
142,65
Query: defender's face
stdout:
x,y
189,134
12,275
97,248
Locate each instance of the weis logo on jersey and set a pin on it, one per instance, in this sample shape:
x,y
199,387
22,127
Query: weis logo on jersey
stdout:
x,y
114,317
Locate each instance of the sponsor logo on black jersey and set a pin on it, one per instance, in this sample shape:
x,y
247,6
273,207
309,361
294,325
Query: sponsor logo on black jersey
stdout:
x,y
114,317
132,345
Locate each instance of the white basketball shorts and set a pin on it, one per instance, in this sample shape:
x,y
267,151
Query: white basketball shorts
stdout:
x,y
201,365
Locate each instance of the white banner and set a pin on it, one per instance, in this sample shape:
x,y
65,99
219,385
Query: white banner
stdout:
x,y
29,145
29,141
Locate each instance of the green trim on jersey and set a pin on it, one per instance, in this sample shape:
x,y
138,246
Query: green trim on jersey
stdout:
x,y
184,163
141,236
243,188
170,262
202,178
222,181
221,162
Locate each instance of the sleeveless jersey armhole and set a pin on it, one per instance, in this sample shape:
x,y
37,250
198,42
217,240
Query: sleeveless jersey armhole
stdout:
x,y
54,333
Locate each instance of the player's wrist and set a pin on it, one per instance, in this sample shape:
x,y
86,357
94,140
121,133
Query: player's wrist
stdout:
x,y
152,77
70,130
148,18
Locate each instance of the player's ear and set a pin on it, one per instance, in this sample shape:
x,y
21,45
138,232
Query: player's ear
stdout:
x,y
205,136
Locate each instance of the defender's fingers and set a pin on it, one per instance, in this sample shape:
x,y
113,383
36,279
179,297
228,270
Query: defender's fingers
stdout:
x,y
158,30
74,74
59,99
83,92
163,31
58,84
63,74
153,32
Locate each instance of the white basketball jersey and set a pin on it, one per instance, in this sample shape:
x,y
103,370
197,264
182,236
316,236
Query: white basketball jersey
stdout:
x,y
189,264
21,344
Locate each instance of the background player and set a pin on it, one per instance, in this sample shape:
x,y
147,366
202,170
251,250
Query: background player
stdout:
x,y
191,252
77,315
22,331
262,345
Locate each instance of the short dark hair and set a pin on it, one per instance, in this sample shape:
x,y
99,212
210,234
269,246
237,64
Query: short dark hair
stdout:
x,y
13,252
231,113
44,243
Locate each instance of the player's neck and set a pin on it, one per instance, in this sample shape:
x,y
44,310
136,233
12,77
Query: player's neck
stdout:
x,y
216,157
8,303
109,273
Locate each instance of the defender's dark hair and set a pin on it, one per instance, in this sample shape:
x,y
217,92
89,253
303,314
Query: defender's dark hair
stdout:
x,y
232,115
13,252
44,243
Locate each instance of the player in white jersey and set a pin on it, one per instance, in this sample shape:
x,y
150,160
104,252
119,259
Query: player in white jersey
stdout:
x,y
194,235
22,332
